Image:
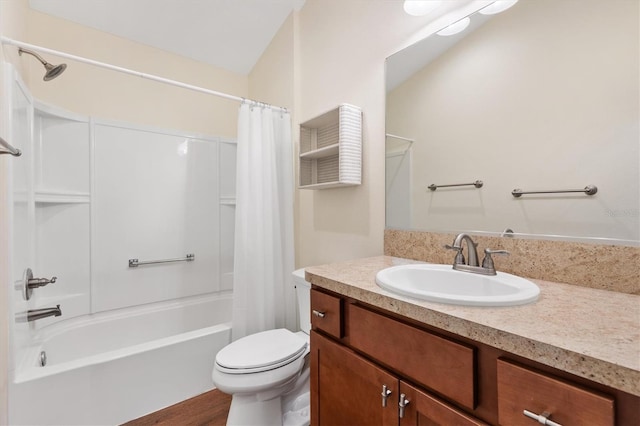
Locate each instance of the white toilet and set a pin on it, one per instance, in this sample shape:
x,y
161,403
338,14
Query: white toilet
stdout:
x,y
267,373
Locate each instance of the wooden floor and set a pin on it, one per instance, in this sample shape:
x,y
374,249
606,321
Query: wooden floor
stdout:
x,y
210,408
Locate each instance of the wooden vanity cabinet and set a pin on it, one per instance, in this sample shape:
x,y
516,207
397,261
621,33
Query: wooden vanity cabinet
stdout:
x,y
351,389
437,363
347,389
366,363
560,401
424,409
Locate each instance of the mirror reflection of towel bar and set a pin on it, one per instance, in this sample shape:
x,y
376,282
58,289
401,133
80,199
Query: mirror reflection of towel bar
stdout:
x,y
589,190
134,263
477,184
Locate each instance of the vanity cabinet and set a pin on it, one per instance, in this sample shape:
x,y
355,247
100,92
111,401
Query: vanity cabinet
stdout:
x,y
350,387
562,402
351,390
430,360
373,367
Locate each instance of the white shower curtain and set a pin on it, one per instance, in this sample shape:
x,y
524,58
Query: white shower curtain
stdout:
x,y
263,293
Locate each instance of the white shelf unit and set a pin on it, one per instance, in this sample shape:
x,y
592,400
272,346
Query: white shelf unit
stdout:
x,y
331,149
62,197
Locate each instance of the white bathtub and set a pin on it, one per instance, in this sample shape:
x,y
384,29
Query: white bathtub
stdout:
x,y
112,367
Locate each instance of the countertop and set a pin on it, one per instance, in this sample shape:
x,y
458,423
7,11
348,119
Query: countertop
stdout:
x,y
588,332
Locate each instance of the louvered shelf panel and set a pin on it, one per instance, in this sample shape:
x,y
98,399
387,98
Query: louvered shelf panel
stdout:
x,y
331,149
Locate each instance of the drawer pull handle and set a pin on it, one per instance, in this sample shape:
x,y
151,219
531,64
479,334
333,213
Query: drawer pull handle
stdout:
x,y
319,314
385,394
402,404
541,418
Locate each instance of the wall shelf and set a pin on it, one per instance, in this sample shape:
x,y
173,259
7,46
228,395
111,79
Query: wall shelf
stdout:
x,y
331,149
227,201
327,151
62,197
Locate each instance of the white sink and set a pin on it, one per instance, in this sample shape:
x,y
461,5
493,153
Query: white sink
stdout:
x,y
441,283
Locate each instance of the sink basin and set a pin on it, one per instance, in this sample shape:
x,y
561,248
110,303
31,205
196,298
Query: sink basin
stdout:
x,y
441,283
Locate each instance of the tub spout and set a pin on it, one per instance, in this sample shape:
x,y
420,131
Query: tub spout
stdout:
x,y
36,314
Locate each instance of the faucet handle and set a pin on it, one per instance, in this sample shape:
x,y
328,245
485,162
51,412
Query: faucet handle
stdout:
x,y
487,262
40,282
459,259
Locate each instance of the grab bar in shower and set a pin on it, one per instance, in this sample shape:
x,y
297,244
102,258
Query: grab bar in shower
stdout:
x,y
477,184
588,190
6,148
134,263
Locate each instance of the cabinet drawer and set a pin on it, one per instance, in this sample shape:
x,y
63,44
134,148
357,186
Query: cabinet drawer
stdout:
x,y
326,313
565,403
440,364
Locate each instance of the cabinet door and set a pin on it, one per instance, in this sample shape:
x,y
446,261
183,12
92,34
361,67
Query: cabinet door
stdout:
x,y
347,390
422,409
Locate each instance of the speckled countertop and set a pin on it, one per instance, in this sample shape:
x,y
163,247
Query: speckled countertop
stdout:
x,y
588,332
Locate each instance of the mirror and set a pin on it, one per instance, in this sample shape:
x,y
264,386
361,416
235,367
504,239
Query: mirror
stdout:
x,y
543,96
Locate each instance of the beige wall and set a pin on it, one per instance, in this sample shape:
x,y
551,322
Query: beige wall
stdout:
x,y
342,51
272,77
90,90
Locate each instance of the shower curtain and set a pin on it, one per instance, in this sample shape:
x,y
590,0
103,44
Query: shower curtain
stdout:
x,y
263,293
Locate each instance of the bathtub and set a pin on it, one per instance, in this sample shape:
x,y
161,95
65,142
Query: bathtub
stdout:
x,y
112,367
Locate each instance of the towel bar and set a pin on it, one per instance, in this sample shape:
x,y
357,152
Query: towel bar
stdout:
x,y
477,184
589,190
134,263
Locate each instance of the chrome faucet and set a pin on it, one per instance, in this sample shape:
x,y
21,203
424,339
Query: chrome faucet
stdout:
x,y
471,250
36,314
459,262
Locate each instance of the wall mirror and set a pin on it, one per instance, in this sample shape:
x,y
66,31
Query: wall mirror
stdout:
x,y
543,96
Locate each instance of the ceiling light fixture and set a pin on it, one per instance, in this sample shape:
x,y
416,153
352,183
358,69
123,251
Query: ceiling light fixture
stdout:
x,y
497,7
455,28
421,7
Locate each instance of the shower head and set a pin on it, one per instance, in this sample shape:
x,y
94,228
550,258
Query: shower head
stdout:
x,y
52,71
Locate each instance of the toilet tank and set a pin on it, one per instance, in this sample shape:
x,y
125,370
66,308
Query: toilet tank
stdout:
x,y
303,295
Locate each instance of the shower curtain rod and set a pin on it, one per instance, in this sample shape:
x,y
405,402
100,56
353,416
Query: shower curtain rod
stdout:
x,y
6,40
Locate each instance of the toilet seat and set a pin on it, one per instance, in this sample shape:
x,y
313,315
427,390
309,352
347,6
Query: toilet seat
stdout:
x,y
260,352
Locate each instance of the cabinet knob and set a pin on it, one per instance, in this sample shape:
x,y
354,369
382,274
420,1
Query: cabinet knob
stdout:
x,y
402,404
319,314
541,418
385,394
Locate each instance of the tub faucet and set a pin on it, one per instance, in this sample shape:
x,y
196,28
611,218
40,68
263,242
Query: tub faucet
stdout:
x,y
36,314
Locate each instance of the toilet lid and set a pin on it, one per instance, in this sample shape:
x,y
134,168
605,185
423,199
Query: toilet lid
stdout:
x,y
261,351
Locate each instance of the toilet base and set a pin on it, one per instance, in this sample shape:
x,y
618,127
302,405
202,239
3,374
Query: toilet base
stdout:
x,y
248,410
289,408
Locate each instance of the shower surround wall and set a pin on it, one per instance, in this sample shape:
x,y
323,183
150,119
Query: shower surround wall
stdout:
x,y
120,192
90,194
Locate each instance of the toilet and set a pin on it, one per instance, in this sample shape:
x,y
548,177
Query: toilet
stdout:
x,y
267,373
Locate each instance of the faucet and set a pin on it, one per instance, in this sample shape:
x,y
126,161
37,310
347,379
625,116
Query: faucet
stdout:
x,y
459,263
36,314
471,250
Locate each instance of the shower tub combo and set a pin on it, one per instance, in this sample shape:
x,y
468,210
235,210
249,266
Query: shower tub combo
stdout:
x,y
133,336
112,367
